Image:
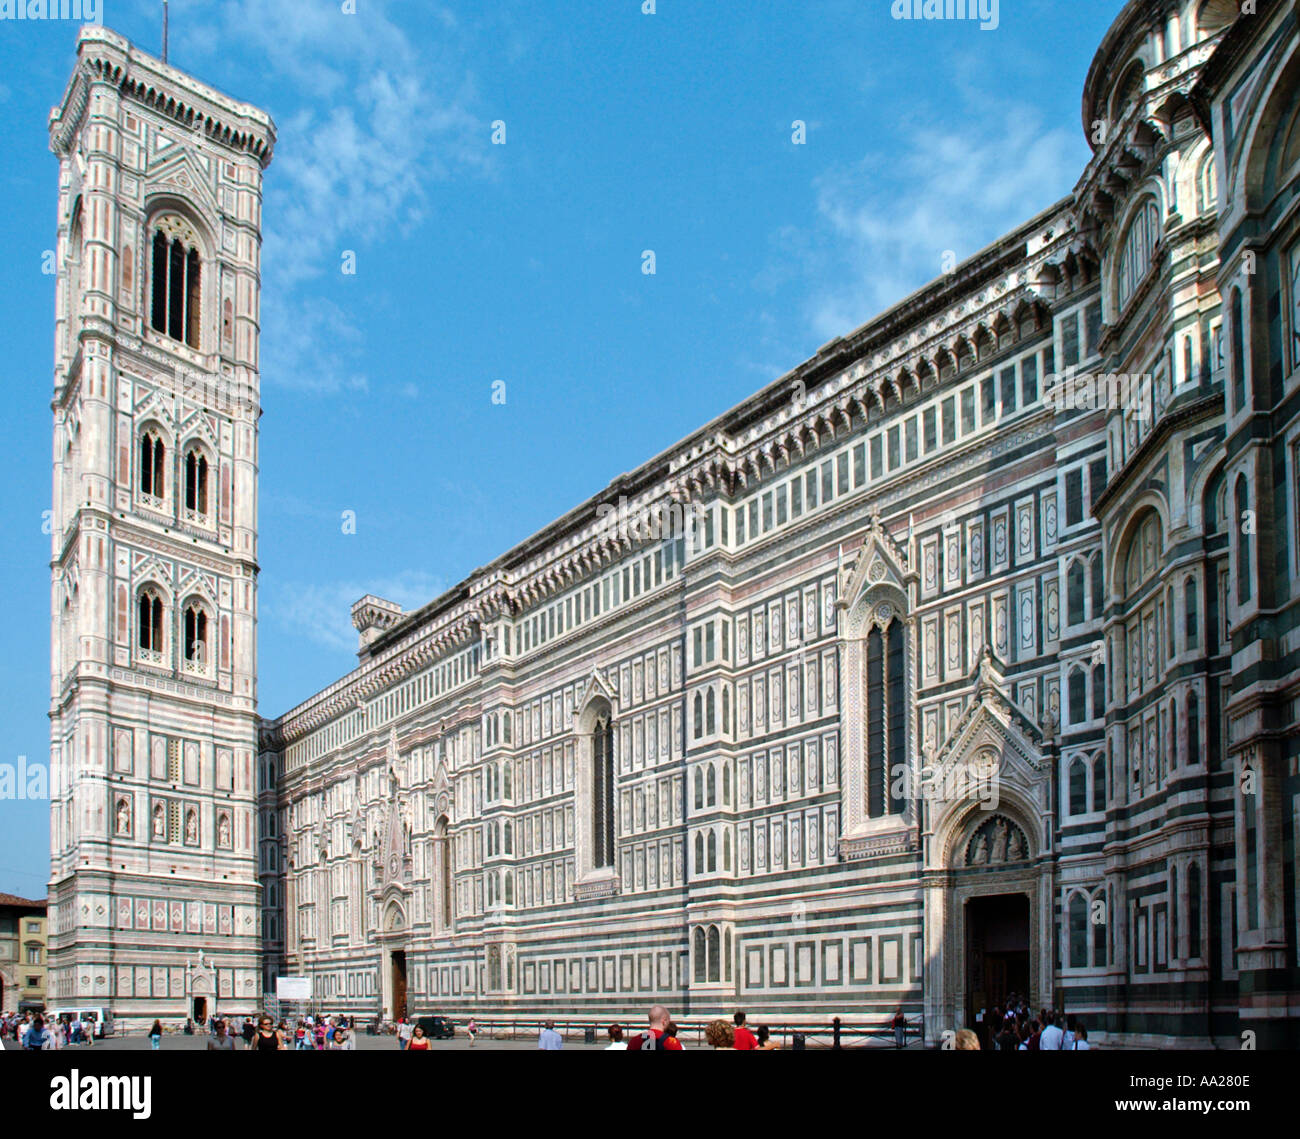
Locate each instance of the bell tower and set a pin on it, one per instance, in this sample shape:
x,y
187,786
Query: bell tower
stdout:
x,y
154,895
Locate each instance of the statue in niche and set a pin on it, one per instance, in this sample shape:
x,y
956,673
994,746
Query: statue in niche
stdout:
x,y
223,831
191,827
1016,851
159,821
999,853
123,817
997,842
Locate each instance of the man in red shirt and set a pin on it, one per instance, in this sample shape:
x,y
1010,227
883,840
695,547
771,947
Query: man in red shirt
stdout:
x,y
746,1041
657,1039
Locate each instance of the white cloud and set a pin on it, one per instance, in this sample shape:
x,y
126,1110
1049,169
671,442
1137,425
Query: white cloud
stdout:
x,y
371,119
876,240
310,345
321,612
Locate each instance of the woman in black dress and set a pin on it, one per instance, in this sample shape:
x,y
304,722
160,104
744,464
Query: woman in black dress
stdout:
x,y
267,1038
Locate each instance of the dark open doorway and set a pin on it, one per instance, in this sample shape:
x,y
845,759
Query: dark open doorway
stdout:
x,y
399,983
200,1010
997,953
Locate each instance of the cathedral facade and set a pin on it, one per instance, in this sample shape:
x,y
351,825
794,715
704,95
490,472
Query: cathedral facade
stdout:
x,y
960,661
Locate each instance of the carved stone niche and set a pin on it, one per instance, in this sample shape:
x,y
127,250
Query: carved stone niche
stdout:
x,y
996,842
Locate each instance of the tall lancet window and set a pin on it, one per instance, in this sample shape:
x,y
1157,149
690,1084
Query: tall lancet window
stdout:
x,y
149,622
177,273
602,797
886,716
196,482
153,457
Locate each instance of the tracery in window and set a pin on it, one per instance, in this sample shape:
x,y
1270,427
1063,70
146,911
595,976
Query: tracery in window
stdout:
x,y
196,637
153,455
176,309
149,622
1136,251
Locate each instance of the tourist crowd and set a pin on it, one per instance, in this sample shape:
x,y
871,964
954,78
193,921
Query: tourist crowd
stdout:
x,y
1015,1028
32,1030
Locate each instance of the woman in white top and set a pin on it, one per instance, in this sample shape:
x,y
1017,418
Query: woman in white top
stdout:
x,y
616,1041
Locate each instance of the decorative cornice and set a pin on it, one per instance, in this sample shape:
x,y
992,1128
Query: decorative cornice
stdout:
x,y
106,57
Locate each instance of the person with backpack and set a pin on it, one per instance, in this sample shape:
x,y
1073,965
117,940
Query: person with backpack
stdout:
x,y
657,1039
155,1035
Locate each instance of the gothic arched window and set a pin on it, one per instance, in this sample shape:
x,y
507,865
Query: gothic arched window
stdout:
x,y
1078,787
149,621
1078,926
1074,593
1099,955
152,458
602,768
176,310
1237,333
1194,910
442,846
886,721
196,635
1242,495
1099,782
196,482
1077,696
1136,252
1143,551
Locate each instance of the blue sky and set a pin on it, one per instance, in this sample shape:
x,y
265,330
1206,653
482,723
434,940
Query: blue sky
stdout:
x,y
522,263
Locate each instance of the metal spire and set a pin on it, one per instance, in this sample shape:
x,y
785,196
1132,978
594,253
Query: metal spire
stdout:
x,y
164,51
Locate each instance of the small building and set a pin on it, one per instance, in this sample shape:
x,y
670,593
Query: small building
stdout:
x,y
22,953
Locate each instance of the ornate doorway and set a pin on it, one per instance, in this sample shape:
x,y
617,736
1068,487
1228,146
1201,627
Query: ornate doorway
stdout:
x,y
997,951
200,1010
988,878
398,965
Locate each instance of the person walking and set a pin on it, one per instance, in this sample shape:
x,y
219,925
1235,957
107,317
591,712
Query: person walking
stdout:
x,y
267,1038
342,1041
657,1038
155,1035
418,1042
221,1040
548,1040
403,1033
471,1030
745,1041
